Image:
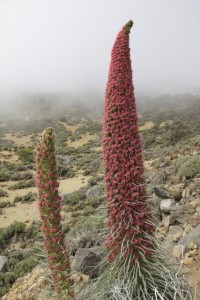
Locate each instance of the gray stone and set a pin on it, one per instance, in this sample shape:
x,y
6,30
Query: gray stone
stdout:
x,y
177,195
193,236
3,263
178,251
164,225
179,214
186,193
161,193
166,204
178,208
175,232
87,261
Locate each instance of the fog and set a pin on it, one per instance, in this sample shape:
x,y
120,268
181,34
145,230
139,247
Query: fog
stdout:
x,y
60,46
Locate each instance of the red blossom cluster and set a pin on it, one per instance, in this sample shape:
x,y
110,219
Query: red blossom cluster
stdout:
x,y
49,208
128,214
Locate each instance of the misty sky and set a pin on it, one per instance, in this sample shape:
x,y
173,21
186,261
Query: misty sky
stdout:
x,y
65,45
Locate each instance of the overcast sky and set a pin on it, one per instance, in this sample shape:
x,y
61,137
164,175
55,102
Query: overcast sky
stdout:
x,y
65,45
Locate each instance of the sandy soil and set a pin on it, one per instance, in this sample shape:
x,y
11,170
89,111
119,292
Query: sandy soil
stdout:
x,y
23,212
84,140
194,278
97,148
163,124
28,212
13,193
70,127
11,157
146,126
147,164
20,141
70,185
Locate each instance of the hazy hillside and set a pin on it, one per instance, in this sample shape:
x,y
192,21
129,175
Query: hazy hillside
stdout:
x,y
171,140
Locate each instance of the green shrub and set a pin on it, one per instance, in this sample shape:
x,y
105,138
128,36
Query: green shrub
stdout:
x,y
3,193
195,141
90,162
9,278
88,210
66,227
94,180
4,204
4,174
21,176
25,266
87,172
33,230
26,155
75,197
7,233
95,222
189,168
30,197
181,160
63,119
19,167
87,231
17,267
65,172
23,184
95,201
15,177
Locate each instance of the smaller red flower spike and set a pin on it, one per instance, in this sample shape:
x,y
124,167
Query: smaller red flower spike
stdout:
x,y
128,215
49,203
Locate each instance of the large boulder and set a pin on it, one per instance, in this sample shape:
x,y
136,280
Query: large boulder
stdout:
x,y
3,263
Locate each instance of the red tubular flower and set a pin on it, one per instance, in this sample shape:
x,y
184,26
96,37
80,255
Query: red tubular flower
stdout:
x,y
122,153
49,209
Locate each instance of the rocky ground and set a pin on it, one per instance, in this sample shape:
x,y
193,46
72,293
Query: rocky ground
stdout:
x,y
171,141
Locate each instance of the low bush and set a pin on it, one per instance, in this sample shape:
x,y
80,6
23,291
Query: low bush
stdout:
x,y
90,162
88,210
15,229
4,176
65,172
75,197
87,232
33,230
189,168
3,193
95,179
19,167
22,184
21,176
26,155
30,197
15,177
4,204
17,267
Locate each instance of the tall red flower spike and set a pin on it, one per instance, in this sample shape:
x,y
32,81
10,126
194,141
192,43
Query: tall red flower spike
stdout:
x,y
128,216
49,208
